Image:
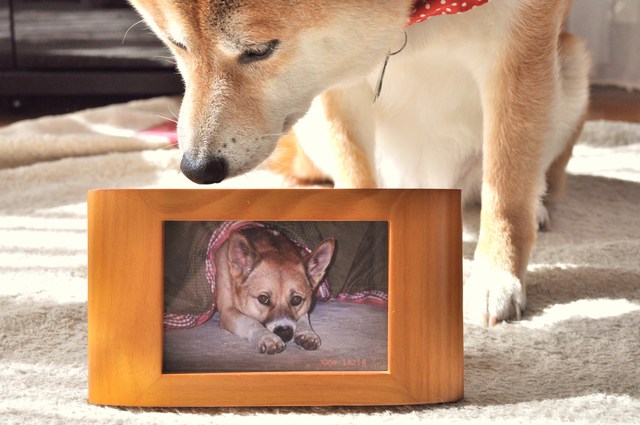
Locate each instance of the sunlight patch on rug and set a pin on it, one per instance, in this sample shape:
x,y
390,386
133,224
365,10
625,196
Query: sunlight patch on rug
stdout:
x,y
581,309
617,163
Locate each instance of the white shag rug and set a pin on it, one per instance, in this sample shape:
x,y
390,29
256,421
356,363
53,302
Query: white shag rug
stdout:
x,y
574,357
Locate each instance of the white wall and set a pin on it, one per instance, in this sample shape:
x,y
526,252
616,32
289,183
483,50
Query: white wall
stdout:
x,y
611,29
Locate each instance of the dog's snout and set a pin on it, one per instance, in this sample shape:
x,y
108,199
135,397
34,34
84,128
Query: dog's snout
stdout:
x,y
284,332
204,170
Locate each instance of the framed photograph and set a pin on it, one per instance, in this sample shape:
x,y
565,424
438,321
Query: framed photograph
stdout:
x,y
275,297
353,290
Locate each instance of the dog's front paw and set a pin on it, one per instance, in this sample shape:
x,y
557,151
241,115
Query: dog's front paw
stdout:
x,y
492,295
270,343
308,340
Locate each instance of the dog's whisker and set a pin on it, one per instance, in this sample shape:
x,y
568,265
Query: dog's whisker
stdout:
x,y
173,113
167,147
165,118
174,156
130,28
272,135
172,163
169,59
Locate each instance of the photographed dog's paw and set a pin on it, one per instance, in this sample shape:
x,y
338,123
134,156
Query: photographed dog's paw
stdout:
x,y
492,295
308,340
270,343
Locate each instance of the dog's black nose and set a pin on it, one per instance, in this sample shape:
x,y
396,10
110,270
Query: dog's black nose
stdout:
x,y
284,332
204,170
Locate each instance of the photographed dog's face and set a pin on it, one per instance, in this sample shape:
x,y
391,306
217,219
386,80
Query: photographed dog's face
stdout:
x,y
272,282
252,68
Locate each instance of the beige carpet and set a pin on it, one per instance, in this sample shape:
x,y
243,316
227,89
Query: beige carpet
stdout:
x,y
575,356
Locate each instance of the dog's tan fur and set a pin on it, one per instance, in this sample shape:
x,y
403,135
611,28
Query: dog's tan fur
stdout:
x,y
490,101
265,285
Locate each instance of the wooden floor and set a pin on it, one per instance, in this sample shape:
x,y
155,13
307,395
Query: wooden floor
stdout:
x,y
609,103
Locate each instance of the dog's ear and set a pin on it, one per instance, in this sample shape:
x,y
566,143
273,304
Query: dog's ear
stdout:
x,y
318,261
243,257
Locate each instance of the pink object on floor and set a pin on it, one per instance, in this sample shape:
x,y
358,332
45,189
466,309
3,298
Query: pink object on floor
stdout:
x,y
167,130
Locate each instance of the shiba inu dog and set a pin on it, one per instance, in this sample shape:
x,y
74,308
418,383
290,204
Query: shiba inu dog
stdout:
x,y
489,99
265,286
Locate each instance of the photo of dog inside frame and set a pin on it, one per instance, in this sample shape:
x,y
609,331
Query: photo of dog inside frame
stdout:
x,y
275,296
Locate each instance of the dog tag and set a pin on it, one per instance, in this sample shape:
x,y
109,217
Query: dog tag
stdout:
x,y
376,94
379,85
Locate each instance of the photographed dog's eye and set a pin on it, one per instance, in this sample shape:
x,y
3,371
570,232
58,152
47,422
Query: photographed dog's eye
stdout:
x,y
258,52
264,299
296,300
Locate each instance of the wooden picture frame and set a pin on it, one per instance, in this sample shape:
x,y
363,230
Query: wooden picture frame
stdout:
x,y
125,308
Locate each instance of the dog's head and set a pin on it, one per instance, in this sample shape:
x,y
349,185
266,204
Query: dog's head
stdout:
x,y
274,282
252,67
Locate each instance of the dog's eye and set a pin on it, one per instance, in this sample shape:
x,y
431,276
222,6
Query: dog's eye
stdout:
x,y
296,300
258,52
264,300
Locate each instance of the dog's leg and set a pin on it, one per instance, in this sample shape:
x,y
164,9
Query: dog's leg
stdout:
x,y
290,160
305,337
342,120
556,174
354,169
252,330
575,63
556,180
571,114
517,96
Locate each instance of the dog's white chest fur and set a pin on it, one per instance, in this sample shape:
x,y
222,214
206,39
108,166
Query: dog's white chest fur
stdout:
x,y
429,114
425,129
427,134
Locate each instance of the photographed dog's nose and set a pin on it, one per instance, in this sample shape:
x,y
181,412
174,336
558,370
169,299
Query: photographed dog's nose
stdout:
x,y
284,332
204,170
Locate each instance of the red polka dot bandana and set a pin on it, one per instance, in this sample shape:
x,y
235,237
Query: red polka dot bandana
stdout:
x,y
425,9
